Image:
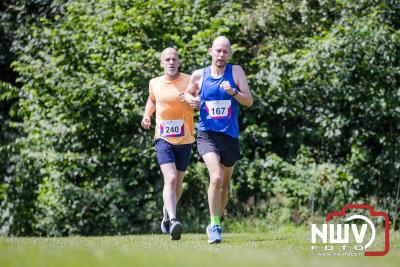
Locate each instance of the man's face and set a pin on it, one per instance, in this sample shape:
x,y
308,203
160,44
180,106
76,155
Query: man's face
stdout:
x,y
220,53
170,63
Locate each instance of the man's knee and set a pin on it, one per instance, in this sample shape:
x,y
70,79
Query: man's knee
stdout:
x,y
171,181
216,180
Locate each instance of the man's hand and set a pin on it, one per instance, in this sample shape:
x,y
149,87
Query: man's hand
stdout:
x,y
146,122
194,102
228,88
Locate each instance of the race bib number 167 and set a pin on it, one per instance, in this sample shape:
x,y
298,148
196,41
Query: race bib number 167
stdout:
x,y
218,109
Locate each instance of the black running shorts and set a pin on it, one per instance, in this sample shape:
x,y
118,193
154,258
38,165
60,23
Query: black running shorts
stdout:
x,y
225,146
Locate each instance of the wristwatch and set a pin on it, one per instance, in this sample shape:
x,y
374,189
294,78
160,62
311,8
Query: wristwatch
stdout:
x,y
236,92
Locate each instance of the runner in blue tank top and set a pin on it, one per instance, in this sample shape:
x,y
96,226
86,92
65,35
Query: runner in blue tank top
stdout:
x,y
218,109
222,87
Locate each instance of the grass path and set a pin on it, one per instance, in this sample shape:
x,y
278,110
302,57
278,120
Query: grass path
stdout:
x,y
285,247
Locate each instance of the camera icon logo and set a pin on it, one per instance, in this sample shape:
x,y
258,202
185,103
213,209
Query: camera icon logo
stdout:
x,y
335,237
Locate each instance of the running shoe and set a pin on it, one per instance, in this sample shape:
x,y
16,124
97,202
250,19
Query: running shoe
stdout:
x,y
176,230
214,234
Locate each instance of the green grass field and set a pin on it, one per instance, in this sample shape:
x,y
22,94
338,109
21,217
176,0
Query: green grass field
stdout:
x,y
287,246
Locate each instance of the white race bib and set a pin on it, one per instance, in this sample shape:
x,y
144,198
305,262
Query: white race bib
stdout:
x,y
172,128
218,109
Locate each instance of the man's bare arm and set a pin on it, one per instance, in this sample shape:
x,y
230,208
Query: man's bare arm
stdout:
x,y
149,109
243,96
194,85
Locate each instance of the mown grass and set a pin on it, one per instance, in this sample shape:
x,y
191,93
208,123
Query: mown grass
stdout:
x,y
286,246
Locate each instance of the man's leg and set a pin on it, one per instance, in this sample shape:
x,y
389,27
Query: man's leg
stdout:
x,y
171,188
178,190
211,160
218,190
226,174
182,159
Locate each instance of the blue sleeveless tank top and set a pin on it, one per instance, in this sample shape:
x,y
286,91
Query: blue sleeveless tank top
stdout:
x,y
218,109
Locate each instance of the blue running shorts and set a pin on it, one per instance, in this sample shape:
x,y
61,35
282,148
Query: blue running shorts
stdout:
x,y
168,153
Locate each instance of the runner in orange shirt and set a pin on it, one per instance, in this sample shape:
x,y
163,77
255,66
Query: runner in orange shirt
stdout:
x,y
173,134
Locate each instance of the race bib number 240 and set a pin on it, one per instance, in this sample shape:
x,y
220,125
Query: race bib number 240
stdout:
x,y
172,128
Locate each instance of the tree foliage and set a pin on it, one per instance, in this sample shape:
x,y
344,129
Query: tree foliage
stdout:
x,y
324,129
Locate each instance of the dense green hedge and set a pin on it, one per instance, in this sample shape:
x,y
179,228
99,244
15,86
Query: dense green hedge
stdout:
x,y
324,129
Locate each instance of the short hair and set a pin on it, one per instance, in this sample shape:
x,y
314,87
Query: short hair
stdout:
x,y
166,50
221,38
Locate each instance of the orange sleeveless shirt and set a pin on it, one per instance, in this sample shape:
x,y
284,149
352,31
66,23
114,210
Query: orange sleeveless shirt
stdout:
x,y
174,118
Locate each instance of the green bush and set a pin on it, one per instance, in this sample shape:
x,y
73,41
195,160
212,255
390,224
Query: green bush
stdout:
x,y
88,166
335,90
292,192
324,129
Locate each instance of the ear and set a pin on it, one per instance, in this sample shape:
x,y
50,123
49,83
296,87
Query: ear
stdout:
x,y
210,51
